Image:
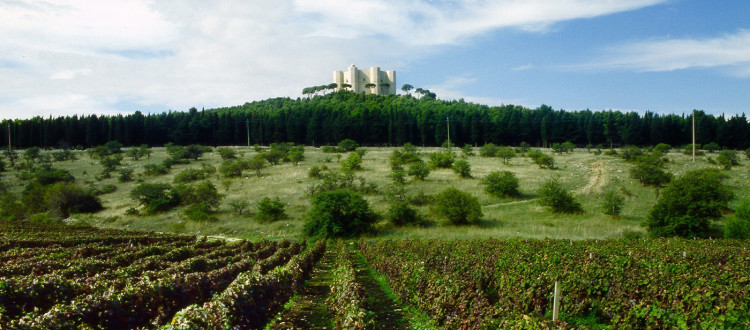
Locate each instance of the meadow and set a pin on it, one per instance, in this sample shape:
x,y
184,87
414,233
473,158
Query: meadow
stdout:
x,y
584,173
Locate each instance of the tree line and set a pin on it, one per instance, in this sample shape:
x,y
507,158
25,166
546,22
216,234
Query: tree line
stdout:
x,y
379,120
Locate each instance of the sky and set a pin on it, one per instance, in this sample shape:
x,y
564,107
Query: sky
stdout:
x,y
79,57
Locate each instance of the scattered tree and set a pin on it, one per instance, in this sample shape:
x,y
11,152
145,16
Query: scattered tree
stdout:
x,y
501,184
553,195
458,207
612,203
419,170
738,226
505,153
462,168
339,213
270,209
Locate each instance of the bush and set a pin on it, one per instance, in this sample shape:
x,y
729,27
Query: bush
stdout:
x,y
227,153
738,226
398,177
232,168
155,169
458,207
419,170
64,198
339,213
329,149
314,172
688,203
401,214
347,145
662,148
270,210
630,153
501,184
189,175
545,161
126,175
554,196
650,175
727,159
154,197
747,154
352,163
711,147
239,206
612,203
505,153
462,168
204,194
48,175
441,159
467,150
488,150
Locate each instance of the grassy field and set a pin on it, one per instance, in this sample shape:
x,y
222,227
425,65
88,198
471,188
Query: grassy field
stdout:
x,y
584,173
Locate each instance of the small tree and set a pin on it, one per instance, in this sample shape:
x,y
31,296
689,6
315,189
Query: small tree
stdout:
x,y
441,159
126,175
467,150
154,197
738,226
545,161
524,147
688,203
273,156
662,148
13,156
339,213
488,150
401,214
505,153
501,184
239,205
227,153
257,164
612,203
31,154
419,170
650,175
270,210
553,195
711,147
462,168
458,207
347,145
727,159
352,163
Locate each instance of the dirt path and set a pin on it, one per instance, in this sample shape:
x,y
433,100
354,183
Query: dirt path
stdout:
x,y
597,180
388,314
309,310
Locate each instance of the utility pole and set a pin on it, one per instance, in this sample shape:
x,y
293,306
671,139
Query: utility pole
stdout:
x,y
247,124
693,136
10,149
448,124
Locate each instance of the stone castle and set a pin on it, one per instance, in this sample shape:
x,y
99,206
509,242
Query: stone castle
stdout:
x,y
371,81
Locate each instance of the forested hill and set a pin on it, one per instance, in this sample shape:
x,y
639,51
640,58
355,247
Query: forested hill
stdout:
x,y
379,120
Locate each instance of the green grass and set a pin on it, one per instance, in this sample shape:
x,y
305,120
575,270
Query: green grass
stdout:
x,y
585,174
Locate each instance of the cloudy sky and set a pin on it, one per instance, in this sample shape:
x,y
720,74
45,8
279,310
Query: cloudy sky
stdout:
x,y
118,56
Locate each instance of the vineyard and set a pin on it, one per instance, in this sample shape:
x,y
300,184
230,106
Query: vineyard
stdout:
x,y
80,277
72,277
625,284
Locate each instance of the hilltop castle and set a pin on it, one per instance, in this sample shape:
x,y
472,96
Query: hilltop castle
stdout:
x,y
372,81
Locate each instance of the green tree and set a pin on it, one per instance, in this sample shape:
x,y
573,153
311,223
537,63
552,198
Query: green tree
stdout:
x,y
154,197
339,213
488,150
687,205
64,198
738,226
347,145
553,195
506,154
227,153
401,214
650,175
727,159
273,156
31,154
352,163
612,203
462,168
270,209
711,147
501,184
458,207
441,159
257,164
419,170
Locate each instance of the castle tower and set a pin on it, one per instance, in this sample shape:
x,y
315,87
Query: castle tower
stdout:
x,y
359,80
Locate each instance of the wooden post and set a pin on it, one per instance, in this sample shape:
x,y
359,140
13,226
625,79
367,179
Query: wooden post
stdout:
x,y
556,302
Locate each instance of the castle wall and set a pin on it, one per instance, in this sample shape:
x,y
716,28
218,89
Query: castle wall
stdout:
x,y
385,81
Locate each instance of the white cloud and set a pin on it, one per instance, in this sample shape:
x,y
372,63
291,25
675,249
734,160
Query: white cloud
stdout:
x,y
87,56
524,67
730,52
452,89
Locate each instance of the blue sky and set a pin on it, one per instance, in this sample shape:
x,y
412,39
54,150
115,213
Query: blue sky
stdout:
x,y
117,56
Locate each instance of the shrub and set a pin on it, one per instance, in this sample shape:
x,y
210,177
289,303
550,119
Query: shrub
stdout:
x,y
458,207
728,158
239,205
612,203
462,168
199,212
347,145
204,194
738,226
554,196
662,148
64,198
467,150
401,214
189,175
270,210
545,161
329,149
314,172
488,150
501,184
441,159
154,197
398,177
524,147
650,175
352,163
339,213
688,203
48,175
126,175
155,169
419,170
747,154
630,153
273,156
256,164
505,153
711,147
232,168
227,153
31,154
114,147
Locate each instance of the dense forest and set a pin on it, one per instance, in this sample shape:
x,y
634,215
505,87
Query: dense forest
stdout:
x,y
379,120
